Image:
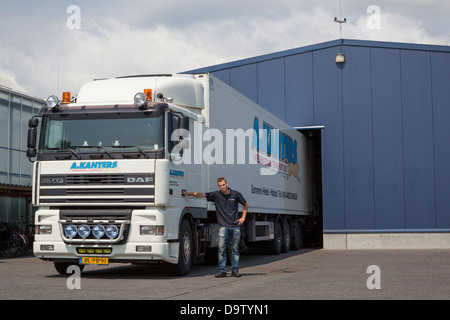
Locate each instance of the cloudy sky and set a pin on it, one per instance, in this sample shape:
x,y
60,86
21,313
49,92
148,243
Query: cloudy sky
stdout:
x,y
50,46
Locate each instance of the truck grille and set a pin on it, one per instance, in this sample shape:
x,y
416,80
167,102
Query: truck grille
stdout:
x,y
120,219
95,179
97,188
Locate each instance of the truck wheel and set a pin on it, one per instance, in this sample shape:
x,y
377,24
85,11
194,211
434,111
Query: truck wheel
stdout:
x,y
286,245
274,246
185,252
297,241
61,267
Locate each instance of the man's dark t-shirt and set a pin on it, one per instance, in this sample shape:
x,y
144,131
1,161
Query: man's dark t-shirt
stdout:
x,y
226,207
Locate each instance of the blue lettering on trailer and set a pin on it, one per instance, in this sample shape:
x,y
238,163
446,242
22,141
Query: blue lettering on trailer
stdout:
x,y
282,146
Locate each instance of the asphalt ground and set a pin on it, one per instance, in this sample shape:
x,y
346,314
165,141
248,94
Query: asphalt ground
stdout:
x,y
307,274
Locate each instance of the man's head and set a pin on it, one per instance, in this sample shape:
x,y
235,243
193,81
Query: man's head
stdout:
x,y
222,184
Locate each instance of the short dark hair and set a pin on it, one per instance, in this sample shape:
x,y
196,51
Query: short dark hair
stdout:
x,y
221,179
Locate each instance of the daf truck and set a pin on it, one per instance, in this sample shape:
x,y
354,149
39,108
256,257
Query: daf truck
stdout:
x,y
110,165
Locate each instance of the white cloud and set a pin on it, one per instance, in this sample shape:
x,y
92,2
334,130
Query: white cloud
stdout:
x,y
139,37
9,79
397,28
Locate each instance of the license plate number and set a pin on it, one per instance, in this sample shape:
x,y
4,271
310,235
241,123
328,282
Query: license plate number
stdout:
x,y
94,260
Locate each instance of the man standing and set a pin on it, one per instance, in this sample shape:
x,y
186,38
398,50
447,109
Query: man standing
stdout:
x,y
227,202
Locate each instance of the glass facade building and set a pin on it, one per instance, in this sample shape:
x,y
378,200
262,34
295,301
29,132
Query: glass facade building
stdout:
x,y
15,169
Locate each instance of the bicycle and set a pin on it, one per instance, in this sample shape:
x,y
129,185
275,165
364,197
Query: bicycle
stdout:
x,y
27,231
12,242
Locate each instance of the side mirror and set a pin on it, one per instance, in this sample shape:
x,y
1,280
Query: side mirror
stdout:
x,y
179,139
33,123
31,153
32,138
184,123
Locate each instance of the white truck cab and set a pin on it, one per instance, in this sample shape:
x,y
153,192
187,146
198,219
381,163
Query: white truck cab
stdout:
x,y
110,166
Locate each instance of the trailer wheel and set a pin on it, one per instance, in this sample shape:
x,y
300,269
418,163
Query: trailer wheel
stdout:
x,y
185,252
297,241
286,245
275,245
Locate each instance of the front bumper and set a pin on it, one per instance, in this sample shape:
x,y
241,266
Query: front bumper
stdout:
x,y
55,247
126,253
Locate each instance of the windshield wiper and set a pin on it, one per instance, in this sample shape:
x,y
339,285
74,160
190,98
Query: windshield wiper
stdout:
x,y
107,152
76,154
140,150
143,152
63,150
87,147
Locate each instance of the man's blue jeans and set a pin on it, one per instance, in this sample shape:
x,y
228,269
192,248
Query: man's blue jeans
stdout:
x,y
224,235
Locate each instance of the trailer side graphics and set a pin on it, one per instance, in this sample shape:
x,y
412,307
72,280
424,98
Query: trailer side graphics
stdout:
x,y
275,149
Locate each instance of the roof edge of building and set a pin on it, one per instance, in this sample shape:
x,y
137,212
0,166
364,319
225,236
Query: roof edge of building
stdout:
x,y
320,46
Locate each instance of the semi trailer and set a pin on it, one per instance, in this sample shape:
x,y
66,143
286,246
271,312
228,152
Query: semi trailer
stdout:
x,y
110,165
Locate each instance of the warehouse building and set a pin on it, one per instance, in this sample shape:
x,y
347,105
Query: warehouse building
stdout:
x,y
380,113
15,169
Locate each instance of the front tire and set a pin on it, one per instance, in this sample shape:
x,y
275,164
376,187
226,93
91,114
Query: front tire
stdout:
x,y
185,252
61,267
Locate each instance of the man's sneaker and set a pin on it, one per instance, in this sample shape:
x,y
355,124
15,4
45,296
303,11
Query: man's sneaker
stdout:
x,y
235,274
221,274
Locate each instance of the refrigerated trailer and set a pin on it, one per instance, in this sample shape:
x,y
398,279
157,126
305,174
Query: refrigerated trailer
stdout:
x,y
111,163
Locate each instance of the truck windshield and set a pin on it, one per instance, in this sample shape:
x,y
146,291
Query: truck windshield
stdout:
x,y
110,133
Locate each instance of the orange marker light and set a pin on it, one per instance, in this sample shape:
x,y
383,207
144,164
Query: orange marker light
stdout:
x,y
66,97
149,94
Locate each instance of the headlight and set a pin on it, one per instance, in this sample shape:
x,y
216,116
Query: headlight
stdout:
x,y
52,101
70,231
84,231
44,229
140,99
98,231
152,230
112,231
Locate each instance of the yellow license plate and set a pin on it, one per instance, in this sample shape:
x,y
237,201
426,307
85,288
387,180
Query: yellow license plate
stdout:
x,y
94,260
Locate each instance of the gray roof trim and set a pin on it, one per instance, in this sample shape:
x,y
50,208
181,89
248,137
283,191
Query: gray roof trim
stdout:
x,y
320,46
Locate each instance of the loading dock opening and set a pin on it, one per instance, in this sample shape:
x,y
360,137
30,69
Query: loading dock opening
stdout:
x,y
313,226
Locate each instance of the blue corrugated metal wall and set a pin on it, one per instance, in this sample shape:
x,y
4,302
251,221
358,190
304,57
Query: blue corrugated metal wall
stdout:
x,y
386,113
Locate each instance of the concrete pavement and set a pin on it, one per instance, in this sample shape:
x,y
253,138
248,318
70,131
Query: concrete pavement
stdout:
x,y
306,274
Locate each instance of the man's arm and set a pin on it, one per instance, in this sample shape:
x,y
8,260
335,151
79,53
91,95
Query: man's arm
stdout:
x,y
244,215
193,194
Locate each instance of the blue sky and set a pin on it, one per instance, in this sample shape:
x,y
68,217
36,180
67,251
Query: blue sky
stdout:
x,y
41,55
